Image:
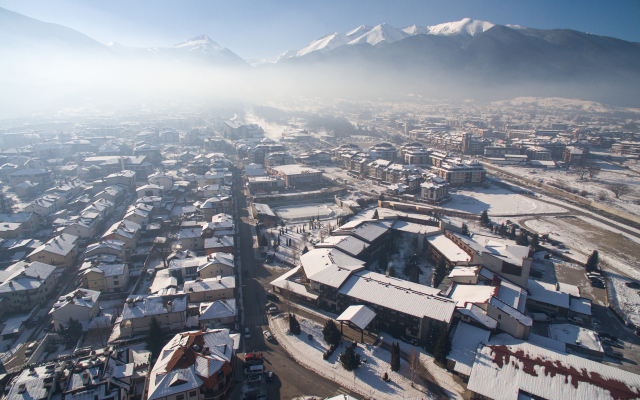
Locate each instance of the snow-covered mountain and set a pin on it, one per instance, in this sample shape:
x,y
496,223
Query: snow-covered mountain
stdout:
x,y
385,33
200,48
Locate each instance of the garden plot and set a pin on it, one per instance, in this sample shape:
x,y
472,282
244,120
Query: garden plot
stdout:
x,y
366,379
498,201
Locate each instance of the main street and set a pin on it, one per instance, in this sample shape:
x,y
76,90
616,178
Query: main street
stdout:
x,y
291,380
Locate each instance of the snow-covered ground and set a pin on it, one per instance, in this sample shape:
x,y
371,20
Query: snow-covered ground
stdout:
x,y
271,130
609,173
616,250
366,380
498,201
628,299
303,212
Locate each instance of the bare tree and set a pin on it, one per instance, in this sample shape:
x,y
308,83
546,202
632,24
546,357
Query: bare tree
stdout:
x,y
581,171
287,298
416,367
594,169
619,189
99,333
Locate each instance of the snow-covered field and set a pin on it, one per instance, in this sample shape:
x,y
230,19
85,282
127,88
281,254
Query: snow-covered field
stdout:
x,y
617,250
628,299
305,211
498,201
366,380
609,173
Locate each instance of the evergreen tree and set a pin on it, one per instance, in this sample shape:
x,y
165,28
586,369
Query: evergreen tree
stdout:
x,y
392,272
305,250
331,333
522,239
534,243
395,360
465,229
414,276
71,332
484,219
443,346
294,325
440,272
155,338
349,359
592,262
432,339
512,233
393,356
375,214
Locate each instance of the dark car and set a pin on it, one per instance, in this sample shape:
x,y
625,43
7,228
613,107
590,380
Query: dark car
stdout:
x,y
536,273
272,297
597,283
269,376
632,285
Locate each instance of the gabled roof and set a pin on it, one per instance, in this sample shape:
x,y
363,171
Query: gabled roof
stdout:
x,y
60,245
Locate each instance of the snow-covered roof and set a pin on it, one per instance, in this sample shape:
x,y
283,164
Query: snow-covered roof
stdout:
x,y
349,244
217,309
512,312
163,280
333,275
412,227
546,342
219,283
475,294
464,345
507,367
479,315
60,245
295,169
547,293
79,297
32,382
317,259
361,316
283,282
217,242
580,305
576,335
464,271
448,248
143,306
400,295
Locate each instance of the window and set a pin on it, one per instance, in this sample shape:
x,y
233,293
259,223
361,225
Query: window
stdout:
x,y
180,397
498,324
192,394
116,283
499,316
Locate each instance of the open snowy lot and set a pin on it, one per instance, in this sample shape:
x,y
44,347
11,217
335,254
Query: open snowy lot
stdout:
x,y
304,212
366,380
498,201
628,299
609,173
582,235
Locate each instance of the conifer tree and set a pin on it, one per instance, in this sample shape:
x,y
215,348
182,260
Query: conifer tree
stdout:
x,y
592,262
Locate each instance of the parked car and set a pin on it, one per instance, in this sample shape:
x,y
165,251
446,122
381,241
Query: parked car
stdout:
x,y
269,376
254,378
576,320
611,353
597,283
30,348
272,297
536,273
607,337
247,333
267,335
632,285
540,317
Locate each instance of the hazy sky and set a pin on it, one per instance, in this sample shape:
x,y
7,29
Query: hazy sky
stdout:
x,y
261,29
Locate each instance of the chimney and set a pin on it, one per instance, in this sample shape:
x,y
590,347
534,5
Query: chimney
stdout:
x,y
169,306
387,273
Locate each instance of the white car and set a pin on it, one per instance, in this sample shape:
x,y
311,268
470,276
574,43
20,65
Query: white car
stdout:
x,y
267,335
247,333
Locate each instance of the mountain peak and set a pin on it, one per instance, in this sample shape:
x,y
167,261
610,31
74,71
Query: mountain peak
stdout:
x,y
202,42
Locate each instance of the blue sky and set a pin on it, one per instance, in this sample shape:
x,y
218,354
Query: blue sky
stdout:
x,y
261,29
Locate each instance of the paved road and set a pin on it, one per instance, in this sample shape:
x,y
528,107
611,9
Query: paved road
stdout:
x,y
292,380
